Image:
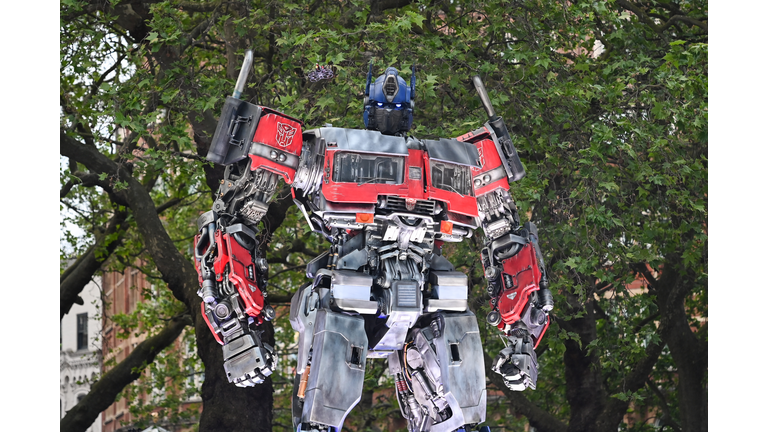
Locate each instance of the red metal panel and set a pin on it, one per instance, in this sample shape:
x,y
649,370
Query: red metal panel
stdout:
x,y
489,158
498,184
419,189
462,204
279,132
475,135
222,258
269,165
240,260
341,192
525,274
282,133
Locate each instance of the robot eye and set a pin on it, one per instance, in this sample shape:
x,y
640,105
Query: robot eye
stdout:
x,y
379,104
398,105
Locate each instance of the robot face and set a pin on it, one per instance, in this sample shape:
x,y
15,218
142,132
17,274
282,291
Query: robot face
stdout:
x,y
391,86
389,104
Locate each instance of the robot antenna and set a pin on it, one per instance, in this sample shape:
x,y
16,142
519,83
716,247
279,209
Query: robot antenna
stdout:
x,y
240,86
413,82
368,80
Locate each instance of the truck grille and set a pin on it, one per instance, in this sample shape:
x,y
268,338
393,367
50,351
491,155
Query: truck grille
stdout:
x,y
423,207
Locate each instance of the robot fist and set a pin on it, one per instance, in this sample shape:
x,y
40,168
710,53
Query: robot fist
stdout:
x,y
517,364
248,361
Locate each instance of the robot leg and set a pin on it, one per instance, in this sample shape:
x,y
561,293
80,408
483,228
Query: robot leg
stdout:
x,y
331,362
439,375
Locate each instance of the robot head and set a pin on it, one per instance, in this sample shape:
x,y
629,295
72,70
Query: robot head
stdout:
x,y
388,105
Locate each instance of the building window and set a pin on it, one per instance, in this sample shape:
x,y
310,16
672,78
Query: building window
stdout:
x,y
82,331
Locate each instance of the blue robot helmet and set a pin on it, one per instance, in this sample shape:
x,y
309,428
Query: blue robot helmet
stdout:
x,y
389,102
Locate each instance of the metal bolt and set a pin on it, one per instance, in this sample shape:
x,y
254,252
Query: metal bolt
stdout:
x,y
491,273
269,313
494,318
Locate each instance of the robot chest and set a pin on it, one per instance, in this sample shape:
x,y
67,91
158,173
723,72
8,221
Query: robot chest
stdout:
x,y
351,176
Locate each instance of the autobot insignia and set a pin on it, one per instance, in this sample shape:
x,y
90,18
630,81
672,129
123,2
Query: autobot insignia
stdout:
x,y
285,134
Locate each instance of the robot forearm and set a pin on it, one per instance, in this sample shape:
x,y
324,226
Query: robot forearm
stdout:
x,y
517,284
232,280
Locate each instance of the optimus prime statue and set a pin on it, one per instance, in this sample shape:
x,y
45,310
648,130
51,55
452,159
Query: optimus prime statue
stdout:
x,y
386,202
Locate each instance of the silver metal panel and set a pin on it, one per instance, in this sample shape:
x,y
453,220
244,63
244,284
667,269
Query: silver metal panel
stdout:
x,y
453,151
347,284
335,381
458,305
363,141
407,295
304,305
449,285
379,354
359,306
445,292
465,378
351,291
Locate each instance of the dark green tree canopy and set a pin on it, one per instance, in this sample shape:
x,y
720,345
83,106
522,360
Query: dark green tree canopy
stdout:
x,y
607,102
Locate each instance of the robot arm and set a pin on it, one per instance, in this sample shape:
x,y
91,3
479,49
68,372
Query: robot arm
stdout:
x,y
517,285
513,263
258,146
232,280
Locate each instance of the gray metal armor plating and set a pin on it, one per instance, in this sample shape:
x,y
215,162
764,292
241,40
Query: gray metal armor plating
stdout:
x,y
382,290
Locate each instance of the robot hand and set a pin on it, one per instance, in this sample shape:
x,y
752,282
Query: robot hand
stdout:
x,y
517,363
247,360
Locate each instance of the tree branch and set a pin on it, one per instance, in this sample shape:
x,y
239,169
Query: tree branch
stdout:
x,y
96,84
104,391
667,418
615,409
77,276
687,20
178,272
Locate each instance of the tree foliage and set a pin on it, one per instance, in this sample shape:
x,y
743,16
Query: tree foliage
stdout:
x,y
607,101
